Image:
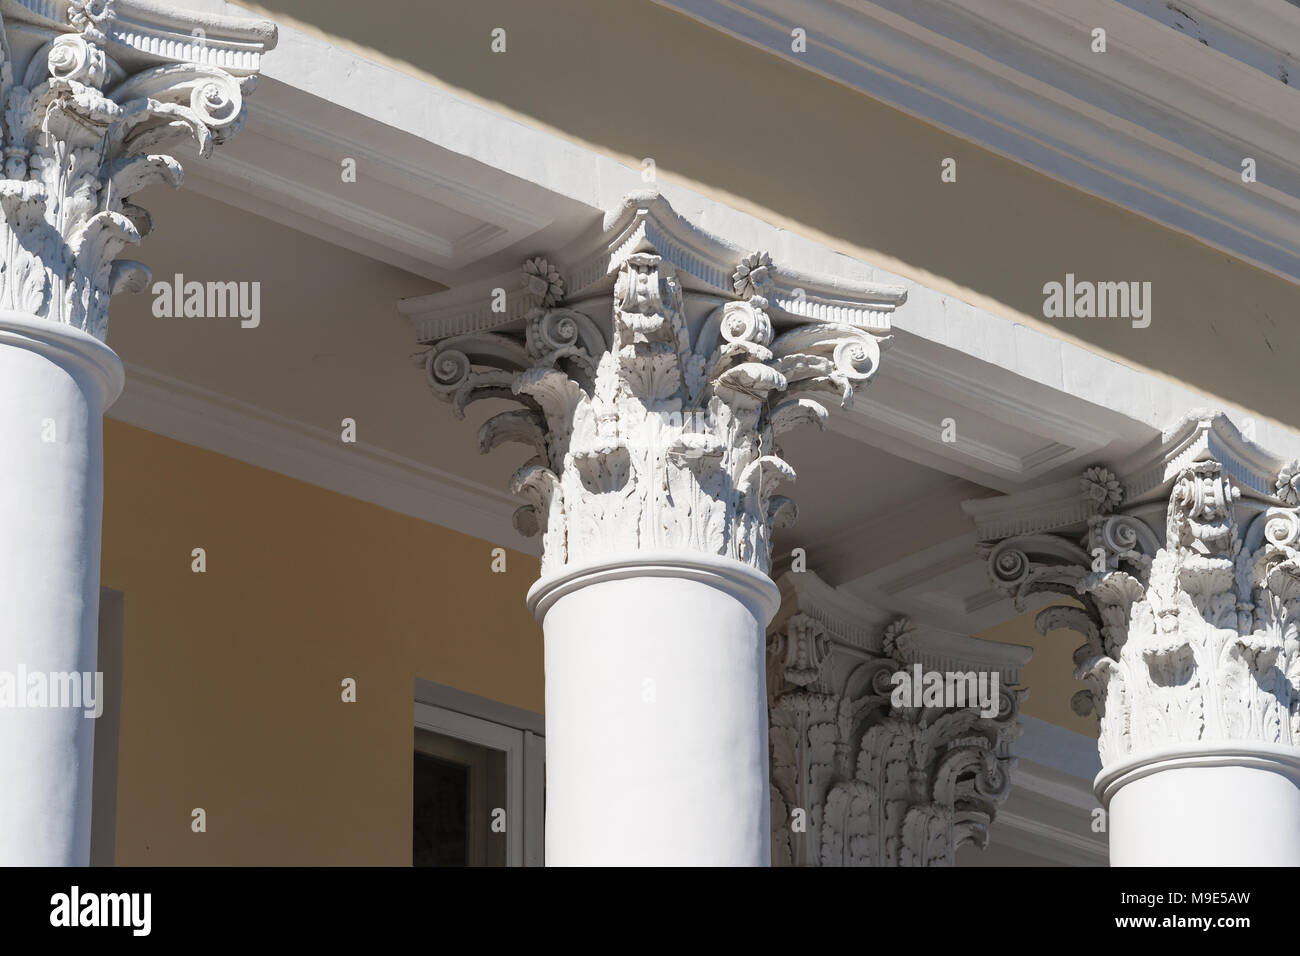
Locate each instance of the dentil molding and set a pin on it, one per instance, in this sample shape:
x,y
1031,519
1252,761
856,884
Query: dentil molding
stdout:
x,y
1185,562
655,366
95,93
856,780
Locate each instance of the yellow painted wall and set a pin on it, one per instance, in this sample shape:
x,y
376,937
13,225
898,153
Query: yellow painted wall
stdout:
x,y
231,683
633,80
1049,675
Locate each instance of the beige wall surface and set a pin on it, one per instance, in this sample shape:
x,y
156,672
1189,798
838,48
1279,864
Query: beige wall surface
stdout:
x,y
1049,675
634,80
231,686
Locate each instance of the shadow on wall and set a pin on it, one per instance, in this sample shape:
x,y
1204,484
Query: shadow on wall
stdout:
x,y
637,80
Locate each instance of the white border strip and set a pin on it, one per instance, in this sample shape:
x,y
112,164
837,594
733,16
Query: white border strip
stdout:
x,y
230,427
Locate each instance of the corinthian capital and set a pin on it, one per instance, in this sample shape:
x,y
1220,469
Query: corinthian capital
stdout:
x,y
862,775
1185,564
656,368
94,93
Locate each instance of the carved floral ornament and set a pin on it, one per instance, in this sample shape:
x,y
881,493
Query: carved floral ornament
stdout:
x,y
90,110
1190,622
654,379
859,781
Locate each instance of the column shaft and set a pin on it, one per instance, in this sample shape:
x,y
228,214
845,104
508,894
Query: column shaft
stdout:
x,y
656,712
1205,805
55,383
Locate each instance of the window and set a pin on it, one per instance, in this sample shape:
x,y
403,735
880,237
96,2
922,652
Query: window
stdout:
x,y
458,787
478,781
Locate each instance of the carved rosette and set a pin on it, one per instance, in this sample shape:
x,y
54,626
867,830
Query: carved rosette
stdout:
x,y
1190,628
88,118
653,407
857,781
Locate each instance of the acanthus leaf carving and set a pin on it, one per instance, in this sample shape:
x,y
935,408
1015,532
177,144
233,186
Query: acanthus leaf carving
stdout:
x,y
1190,629
81,134
658,406
860,781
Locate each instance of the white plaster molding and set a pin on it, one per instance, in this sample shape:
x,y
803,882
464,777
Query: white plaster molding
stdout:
x,y
945,585
1158,125
239,430
1145,476
403,208
1063,751
1022,832
844,618
1190,624
1062,434
1051,810
1059,398
144,31
655,370
94,94
859,626
706,263
857,780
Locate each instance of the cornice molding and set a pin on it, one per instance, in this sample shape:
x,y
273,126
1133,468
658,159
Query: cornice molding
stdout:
x,y
158,31
1050,810
1063,403
1200,434
1032,406
858,625
142,30
405,207
846,619
1158,125
705,262
295,449
1146,477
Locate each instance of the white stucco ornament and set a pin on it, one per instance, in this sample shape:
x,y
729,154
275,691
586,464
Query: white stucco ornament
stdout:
x,y
1190,591
857,780
92,107
1287,485
655,373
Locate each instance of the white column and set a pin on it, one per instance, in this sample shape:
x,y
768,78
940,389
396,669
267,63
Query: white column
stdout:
x,y
55,383
1205,805
656,720
1186,563
655,383
83,133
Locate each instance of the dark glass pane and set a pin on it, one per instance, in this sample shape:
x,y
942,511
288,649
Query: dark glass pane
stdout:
x,y
441,833
459,801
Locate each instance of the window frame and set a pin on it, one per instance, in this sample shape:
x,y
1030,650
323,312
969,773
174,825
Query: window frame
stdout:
x,y
516,732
